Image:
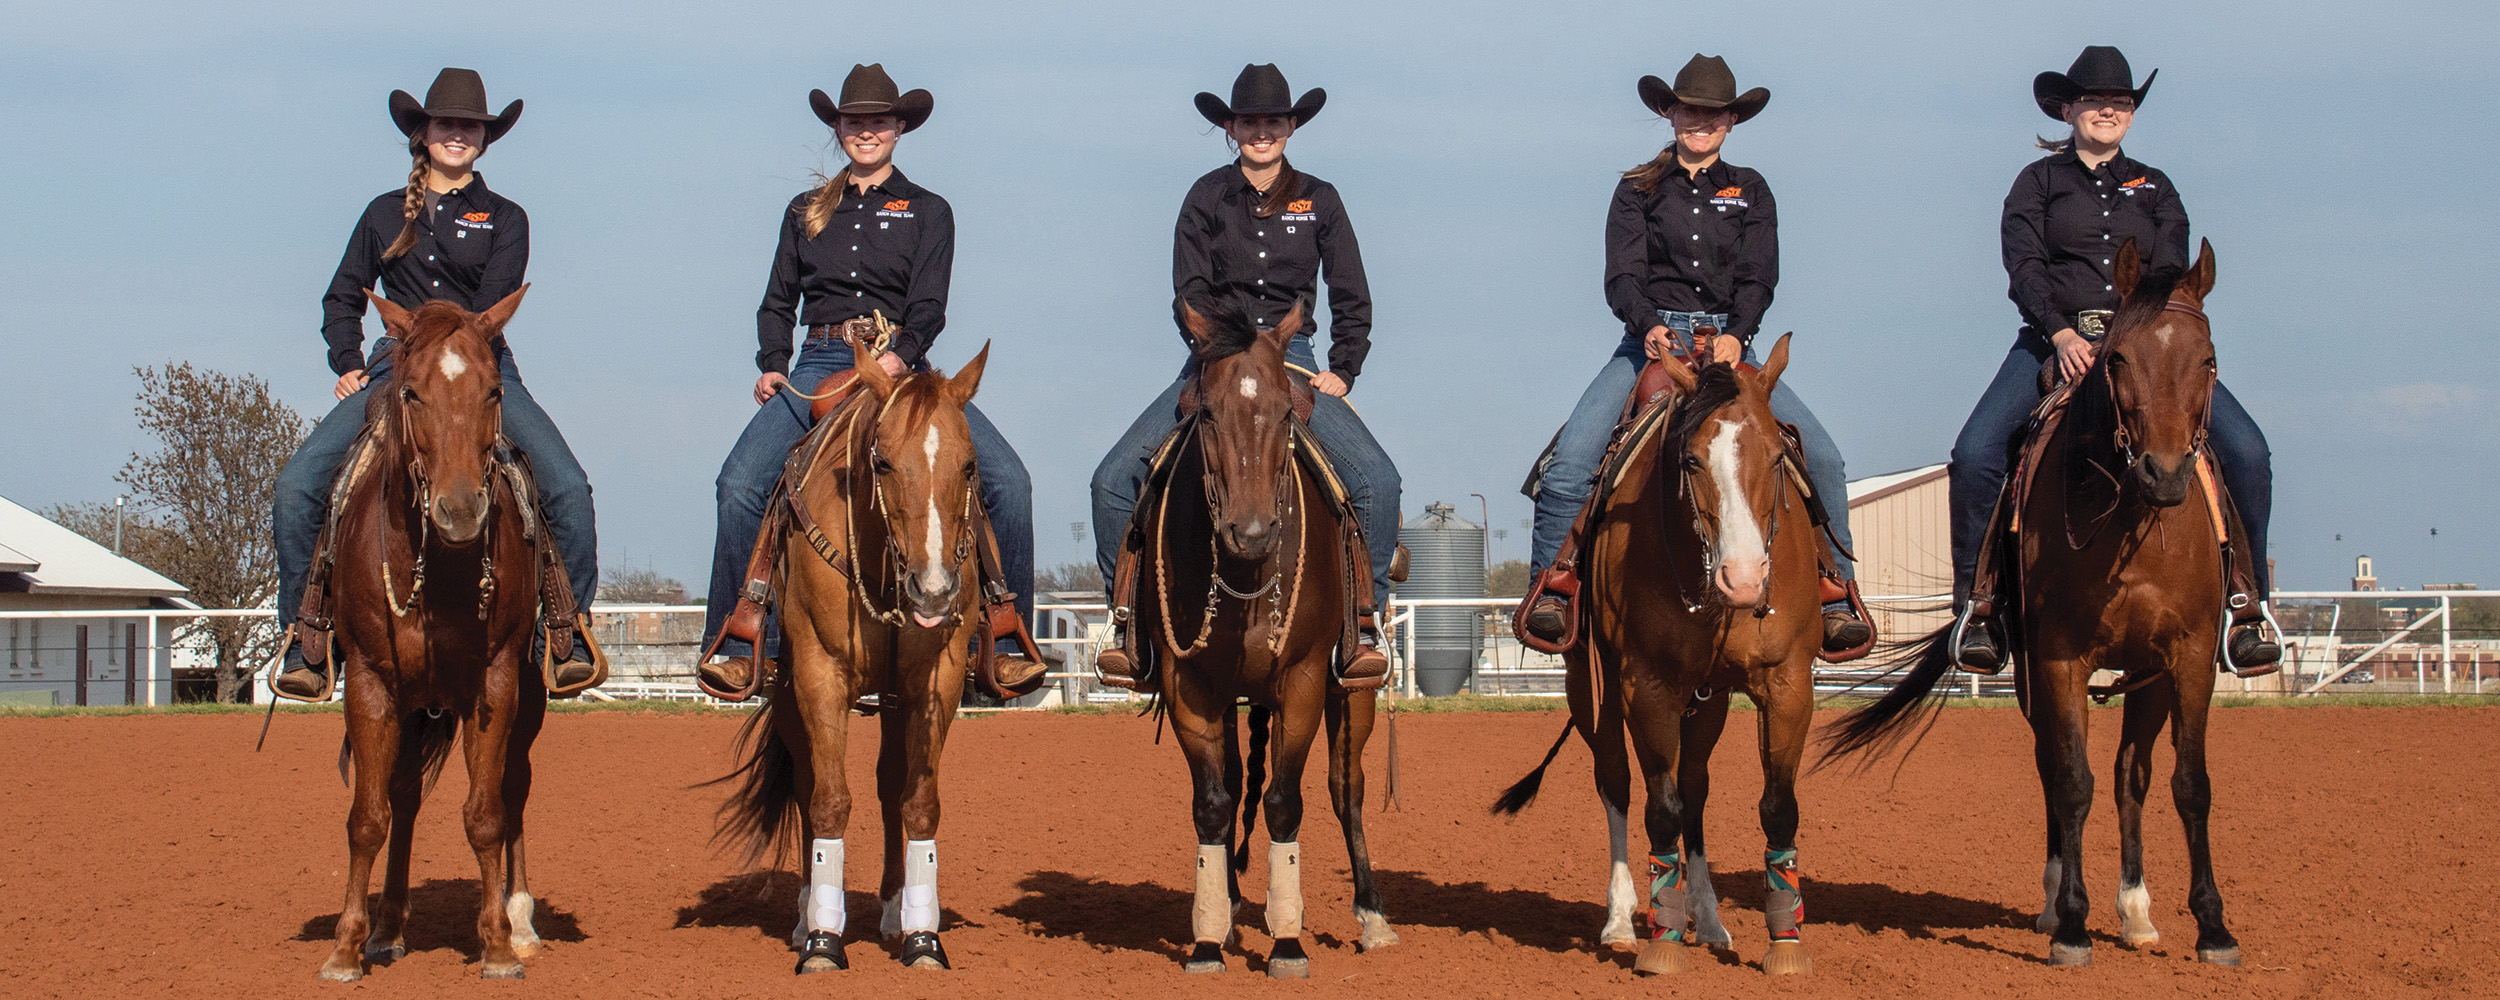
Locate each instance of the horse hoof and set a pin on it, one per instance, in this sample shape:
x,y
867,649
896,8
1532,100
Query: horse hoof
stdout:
x,y
2227,955
1787,958
512,971
2070,954
526,949
2045,923
821,951
1205,958
2144,940
921,950
386,954
1662,957
348,973
1377,933
1289,968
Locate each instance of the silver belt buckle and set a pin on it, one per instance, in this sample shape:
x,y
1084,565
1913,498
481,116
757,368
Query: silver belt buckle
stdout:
x,y
2093,324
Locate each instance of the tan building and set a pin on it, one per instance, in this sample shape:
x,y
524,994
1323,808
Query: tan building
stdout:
x,y
1901,525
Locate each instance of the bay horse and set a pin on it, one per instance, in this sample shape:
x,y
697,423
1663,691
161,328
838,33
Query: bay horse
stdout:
x,y
2118,567
881,599
435,586
1248,565
1692,593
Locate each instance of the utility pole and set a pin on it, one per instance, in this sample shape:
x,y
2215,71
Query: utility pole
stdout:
x,y
117,524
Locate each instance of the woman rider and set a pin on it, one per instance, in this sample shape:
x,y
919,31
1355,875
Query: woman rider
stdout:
x,y
1692,244
2064,220
1258,232
866,243
443,236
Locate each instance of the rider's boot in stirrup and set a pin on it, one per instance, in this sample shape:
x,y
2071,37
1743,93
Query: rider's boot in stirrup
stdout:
x,y
298,678
1976,645
2250,650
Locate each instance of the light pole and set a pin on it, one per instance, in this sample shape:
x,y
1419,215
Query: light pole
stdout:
x,y
117,524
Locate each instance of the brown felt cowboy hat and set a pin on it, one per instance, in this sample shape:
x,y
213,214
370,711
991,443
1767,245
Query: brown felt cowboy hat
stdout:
x,y
868,91
1705,82
1261,90
456,93
2101,69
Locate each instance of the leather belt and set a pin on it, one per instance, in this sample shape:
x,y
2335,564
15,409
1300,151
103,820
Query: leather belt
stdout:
x,y
863,327
2093,324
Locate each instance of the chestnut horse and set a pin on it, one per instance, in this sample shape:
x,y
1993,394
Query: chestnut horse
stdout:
x,y
435,587
1694,592
1248,567
2119,568
881,599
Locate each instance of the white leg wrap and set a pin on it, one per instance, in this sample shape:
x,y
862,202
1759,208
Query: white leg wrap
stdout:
x,y
919,901
1211,912
825,907
1284,890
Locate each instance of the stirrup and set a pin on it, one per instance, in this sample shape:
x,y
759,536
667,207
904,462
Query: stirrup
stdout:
x,y
1366,667
1115,666
548,665
1961,626
2262,625
327,670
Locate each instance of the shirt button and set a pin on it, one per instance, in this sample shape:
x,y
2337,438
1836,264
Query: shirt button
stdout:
x,y
1696,235
1262,232
1696,263
429,256
2104,213
1262,281
438,284
1262,253
2108,288
856,225
2104,260
1697,211
2104,235
855,248
856,274
858,294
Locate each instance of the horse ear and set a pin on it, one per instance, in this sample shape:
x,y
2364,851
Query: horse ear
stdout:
x,y
394,318
1295,317
1777,363
2201,277
967,379
2130,269
870,372
1683,375
1195,324
501,312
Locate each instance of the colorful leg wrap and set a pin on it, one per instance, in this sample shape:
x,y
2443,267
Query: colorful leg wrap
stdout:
x,y
1784,907
1666,896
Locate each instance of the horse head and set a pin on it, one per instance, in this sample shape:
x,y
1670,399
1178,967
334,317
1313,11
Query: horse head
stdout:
x,y
447,390
1245,415
2157,366
926,481
1729,457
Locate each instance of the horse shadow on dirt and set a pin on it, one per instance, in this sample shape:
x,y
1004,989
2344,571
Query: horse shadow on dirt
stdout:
x,y
1131,916
442,913
768,901
1875,907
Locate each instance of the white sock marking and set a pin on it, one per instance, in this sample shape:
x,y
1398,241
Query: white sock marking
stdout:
x,y
919,898
2135,915
825,908
1619,884
1739,536
454,365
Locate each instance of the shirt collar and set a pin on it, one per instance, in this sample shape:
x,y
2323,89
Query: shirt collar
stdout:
x,y
1712,174
895,184
473,190
2118,163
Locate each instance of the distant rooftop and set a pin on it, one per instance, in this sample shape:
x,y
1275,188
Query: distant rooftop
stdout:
x,y
38,556
1860,489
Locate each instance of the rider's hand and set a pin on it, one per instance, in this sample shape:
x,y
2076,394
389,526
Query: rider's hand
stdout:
x,y
2074,354
892,364
348,384
1726,349
770,383
1329,383
1659,343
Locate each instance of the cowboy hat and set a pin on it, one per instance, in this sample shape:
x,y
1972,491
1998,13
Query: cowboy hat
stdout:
x,y
2101,69
1704,82
868,91
456,93
1261,90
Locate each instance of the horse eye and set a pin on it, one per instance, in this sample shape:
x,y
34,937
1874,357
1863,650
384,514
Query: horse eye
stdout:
x,y
408,393
884,467
1692,463
494,395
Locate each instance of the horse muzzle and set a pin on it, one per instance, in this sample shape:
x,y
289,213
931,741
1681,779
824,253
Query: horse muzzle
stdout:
x,y
929,595
1744,580
1250,538
460,516
2164,487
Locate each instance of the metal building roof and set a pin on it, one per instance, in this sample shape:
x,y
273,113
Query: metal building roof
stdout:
x,y
1861,490
46,558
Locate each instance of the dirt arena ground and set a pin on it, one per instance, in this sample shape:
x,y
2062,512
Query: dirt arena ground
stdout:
x,y
159,856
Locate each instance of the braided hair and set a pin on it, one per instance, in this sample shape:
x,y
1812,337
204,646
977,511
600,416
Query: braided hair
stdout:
x,y
415,203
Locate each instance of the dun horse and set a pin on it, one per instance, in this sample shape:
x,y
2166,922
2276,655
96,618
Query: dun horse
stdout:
x,y
881,600
1247,567
2118,568
435,586
1694,592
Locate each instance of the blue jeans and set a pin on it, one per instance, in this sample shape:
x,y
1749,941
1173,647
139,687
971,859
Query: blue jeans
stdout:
x,y
1571,475
303,492
754,465
1985,448
1368,473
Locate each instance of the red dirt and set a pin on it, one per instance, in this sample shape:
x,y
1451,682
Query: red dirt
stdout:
x,y
160,856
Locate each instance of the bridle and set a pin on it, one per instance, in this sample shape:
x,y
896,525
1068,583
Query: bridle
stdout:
x,y
1284,600
2123,437
1706,524
898,565
424,486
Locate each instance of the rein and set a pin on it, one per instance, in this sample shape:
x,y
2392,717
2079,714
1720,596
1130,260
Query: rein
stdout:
x,y
1284,602
2123,439
398,416
897,564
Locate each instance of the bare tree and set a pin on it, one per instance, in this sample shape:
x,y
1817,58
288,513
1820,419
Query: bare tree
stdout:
x,y
1508,578
1085,577
200,504
644,585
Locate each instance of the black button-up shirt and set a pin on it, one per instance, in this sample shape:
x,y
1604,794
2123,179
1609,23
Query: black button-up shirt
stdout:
x,y
890,250
2063,226
1222,252
1695,243
473,246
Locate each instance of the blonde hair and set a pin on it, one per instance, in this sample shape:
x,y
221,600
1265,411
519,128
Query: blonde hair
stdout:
x,y
819,210
1645,177
415,201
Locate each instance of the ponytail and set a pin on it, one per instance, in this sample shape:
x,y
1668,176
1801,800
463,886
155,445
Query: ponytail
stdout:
x,y
2065,145
819,211
1645,177
415,202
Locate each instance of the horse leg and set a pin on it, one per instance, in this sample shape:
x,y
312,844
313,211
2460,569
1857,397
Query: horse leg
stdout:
x,y
373,741
927,717
387,942
2191,789
1202,723
1600,721
1350,718
821,690
892,731
2060,727
1655,714
1784,702
485,733
2145,712
1290,752
521,908
1692,779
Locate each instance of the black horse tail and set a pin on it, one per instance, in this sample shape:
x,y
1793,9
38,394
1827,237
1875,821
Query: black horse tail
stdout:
x,y
1524,792
1256,786
1882,726
757,816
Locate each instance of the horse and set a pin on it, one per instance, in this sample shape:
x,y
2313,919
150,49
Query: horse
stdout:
x,y
1236,504
2118,568
884,604
435,583
1693,593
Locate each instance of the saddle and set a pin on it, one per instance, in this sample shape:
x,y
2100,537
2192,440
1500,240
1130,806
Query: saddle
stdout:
x,y
1652,399
559,620
842,415
1313,461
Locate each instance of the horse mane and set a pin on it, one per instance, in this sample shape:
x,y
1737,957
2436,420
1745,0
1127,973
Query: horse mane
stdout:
x,y
1714,387
1229,330
2144,305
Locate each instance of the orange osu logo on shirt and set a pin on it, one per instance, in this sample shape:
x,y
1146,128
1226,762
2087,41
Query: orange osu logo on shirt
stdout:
x,y
478,216
2138,182
898,206
1730,192
1299,207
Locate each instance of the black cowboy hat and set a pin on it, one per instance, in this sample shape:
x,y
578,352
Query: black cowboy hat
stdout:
x,y
868,91
1704,82
2101,69
456,93
1261,90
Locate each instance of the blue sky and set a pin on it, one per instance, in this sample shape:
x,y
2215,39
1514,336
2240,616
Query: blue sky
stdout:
x,y
180,179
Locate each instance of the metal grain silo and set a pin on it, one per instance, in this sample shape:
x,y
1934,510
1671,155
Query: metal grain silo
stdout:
x,y
1445,560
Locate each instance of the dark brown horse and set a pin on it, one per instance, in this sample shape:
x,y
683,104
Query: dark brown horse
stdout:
x,y
2118,568
1701,581
436,589
1245,580
881,600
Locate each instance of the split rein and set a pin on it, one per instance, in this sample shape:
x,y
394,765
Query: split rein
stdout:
x,y
398,414
2123,439
896,562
